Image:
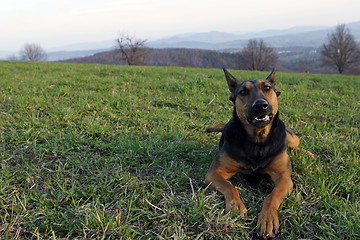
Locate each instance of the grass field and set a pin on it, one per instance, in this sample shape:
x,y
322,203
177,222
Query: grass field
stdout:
x,y
119,152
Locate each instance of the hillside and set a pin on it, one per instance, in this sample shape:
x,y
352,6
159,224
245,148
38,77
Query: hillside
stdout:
x,y
118,152
168,57
289,59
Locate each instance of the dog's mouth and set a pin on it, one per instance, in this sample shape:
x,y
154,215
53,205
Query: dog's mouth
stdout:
x,y
261,120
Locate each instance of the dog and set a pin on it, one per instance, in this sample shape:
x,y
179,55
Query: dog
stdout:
x,y
254,143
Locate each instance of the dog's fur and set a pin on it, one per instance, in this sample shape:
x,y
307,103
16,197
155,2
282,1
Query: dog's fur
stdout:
x,y
254,143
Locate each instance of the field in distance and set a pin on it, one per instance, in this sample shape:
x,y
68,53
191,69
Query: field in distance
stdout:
x,y
120,152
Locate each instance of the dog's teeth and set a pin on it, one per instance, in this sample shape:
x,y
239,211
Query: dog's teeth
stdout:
x,y
266,118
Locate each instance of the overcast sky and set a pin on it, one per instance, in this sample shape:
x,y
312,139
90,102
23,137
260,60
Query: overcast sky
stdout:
x,y
53,23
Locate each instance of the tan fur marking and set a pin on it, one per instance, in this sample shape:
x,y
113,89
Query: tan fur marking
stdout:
x,y
215,128
291,139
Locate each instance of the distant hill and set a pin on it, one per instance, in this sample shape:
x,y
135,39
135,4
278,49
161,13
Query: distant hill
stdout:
x,y
84,46
169,57
221,40
276,32
7,55
213,40
292,59
62,55
300,36
307,36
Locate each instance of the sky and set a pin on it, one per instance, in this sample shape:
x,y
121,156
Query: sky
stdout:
x,y
54,23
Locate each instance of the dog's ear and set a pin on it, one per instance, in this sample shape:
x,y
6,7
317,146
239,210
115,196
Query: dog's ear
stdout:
x,y
232,83
271,77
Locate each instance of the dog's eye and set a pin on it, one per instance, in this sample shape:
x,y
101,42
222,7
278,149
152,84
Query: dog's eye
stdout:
x,y
243,92
267,88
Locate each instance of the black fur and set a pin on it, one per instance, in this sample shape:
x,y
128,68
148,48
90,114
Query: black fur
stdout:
x,y
236,142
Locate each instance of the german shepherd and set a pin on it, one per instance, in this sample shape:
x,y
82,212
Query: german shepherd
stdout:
x,y
254,143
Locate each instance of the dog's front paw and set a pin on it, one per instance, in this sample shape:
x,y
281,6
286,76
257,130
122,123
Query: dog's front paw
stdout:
x,y
268,223
237,206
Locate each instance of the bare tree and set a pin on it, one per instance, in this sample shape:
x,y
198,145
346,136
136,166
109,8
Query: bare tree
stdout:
x,y
341,50
33,52
257,56
133,50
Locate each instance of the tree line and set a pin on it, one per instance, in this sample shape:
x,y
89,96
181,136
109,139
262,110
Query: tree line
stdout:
x,y
167,57
339,52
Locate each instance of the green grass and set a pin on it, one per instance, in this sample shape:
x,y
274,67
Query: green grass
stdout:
x,y
119,152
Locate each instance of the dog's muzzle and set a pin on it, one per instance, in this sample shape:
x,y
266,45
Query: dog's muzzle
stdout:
x,y
260,113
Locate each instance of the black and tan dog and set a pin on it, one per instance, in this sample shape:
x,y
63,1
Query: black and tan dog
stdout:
x,y
254,143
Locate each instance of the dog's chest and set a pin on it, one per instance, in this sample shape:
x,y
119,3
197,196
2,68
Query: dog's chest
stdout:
x,y
254,156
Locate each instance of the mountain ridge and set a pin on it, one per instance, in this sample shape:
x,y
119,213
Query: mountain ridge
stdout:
x,y
304,36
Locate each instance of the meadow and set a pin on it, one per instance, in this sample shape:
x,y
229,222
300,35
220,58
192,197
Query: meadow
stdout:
x,y
120,152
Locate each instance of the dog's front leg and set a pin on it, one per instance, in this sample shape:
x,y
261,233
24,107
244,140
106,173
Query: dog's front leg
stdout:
x,y
221,169
280,172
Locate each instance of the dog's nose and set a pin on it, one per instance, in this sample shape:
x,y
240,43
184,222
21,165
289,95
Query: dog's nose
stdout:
x,y
260,104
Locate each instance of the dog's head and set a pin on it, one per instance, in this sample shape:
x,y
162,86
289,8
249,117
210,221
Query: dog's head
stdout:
x,y
255,101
